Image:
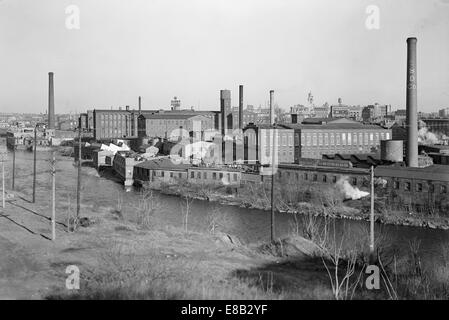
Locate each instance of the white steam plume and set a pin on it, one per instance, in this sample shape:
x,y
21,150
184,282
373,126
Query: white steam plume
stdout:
x,y
427,137
349,191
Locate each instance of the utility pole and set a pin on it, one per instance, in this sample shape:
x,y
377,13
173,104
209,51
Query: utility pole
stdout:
x,y
272,185
371,245
78,186
273,151
34,164
3,180
53,199
13,164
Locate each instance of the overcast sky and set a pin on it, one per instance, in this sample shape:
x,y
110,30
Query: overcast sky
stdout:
x,y
194,48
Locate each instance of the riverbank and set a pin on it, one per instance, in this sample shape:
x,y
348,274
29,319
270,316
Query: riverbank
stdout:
x,y
339,211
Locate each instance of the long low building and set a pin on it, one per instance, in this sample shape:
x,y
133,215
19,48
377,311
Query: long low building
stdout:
x,y
341,136
166,171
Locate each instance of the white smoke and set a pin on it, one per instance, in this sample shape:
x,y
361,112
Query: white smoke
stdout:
x,y
349,191
427,137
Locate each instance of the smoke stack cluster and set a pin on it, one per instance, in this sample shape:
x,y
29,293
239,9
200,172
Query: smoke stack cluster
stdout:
x,y
271,107
241,107
51,102
411,105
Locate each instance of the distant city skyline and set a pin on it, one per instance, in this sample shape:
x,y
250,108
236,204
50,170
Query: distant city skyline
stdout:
x,y
193,49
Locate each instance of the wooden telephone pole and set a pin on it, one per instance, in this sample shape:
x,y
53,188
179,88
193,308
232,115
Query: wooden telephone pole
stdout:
x,y
34,164
53,199
78,185
371,244
13,164
3,159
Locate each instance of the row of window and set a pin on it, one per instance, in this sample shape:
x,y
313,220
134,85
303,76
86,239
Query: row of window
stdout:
x,y
331,139
419,187
307,176
204,175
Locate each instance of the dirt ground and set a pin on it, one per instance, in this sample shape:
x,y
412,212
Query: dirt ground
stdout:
x,y
33,267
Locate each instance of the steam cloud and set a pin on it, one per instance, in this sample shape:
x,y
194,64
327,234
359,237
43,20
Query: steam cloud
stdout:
x,y
427,137
349,191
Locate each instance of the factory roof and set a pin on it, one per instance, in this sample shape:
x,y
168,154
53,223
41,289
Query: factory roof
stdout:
x,y
124,110
335,126
267,126
434,172
162,164
164,115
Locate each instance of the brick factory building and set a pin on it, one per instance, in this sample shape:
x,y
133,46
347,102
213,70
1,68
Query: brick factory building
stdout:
x,y
341,136
170,125
258,147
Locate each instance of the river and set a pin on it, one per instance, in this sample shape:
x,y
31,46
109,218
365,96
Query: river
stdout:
x,y
248,225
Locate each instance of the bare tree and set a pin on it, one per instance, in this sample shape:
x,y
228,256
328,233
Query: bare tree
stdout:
x,y
185,209
149,204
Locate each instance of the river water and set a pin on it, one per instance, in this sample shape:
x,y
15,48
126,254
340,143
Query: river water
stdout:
x,y
248,225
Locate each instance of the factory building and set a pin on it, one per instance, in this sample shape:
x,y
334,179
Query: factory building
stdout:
x,y
341,136
114,124
174,125
258,144
375,112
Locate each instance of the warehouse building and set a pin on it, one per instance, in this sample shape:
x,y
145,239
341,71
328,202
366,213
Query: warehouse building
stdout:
x,y
342,136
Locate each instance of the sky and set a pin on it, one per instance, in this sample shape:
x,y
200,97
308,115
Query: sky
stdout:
x,y
192,49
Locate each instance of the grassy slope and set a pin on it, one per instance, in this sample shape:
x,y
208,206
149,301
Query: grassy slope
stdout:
x,y
118,259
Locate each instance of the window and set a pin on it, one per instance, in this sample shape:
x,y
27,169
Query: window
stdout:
x,y
162,173
305,176
354,136
418,187
198,175
235,176
180,175
338,139
314,139
443,189
214,176
334,179
343,138
320,139
407,186
431,188
315,177
326,139
192,175
171,174
354,181
221,175
297,176
204,175
396,184
324,178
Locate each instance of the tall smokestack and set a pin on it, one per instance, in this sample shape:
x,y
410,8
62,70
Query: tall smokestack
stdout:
x,y
51,102
140,104
241,107
271,107
225,110
411,105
